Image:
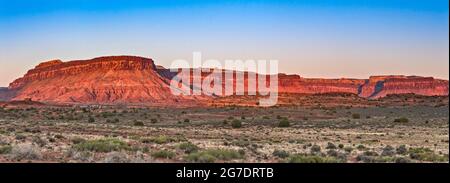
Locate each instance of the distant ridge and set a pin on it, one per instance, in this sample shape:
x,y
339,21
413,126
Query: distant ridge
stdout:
x,y
137,80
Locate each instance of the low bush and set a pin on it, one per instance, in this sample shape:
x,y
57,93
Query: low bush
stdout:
x,y
102,145
162,139
330,146
280,153
401,120
315,149
402,150
236,124
209,156
188,147
356,116
425,154
300,158
138,123
165,154
25,151
284,123
5,149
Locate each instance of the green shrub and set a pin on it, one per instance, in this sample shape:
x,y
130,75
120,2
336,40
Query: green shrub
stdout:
x,y
200,158
162,139
356,116
402,160
375,159
101,145
138,123
284,123
330,146
299,158
361,147
315,149
91,119
211,155
78,140
280,153
20,137
348,149
5,149
236,124
163,154
188,147
388,151
59,136
370,153
402,149
425,154
401,120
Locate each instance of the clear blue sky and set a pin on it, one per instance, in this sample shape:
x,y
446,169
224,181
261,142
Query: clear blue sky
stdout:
x,y
314,38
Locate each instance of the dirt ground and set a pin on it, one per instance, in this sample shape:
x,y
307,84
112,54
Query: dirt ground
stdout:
x,y
377,132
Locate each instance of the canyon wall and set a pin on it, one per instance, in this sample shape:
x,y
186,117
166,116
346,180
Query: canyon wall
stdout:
x,y
130,79
120,79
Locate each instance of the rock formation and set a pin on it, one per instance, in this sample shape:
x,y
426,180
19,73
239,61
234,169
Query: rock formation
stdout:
x,y
106,80
137,80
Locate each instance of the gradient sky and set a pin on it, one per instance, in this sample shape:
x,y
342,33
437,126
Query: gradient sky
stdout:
x,y
314,38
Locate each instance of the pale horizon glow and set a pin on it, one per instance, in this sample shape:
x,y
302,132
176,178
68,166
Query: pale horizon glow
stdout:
x,y
314,39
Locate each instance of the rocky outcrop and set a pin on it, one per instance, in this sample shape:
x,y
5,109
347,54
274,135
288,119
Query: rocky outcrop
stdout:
x,y
296,84
381,86
57,68
107,80
137,80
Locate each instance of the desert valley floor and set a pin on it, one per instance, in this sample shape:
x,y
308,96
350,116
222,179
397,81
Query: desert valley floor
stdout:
x,y
397,129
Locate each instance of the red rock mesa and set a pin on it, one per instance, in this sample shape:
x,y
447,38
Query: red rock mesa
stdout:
x,y
137,80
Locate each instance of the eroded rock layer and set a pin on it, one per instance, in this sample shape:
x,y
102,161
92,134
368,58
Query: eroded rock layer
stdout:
x,y
137,80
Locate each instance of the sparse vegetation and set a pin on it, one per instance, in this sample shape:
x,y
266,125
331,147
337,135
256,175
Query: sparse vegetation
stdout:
x,y
280,153
188,147
25,152
356,116
236,124
402,150
425,154
163,154
162,139
300,158
5,149
401,120
330,134
138,123
284,123
212,155
315,149
101,145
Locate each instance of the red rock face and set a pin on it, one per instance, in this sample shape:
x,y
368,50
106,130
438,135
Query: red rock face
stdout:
x,y
296,84
380,86
136,80
106,80
374,87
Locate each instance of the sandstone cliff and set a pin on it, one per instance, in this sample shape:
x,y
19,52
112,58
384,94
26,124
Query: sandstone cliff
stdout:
x,y
137,80
118,79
